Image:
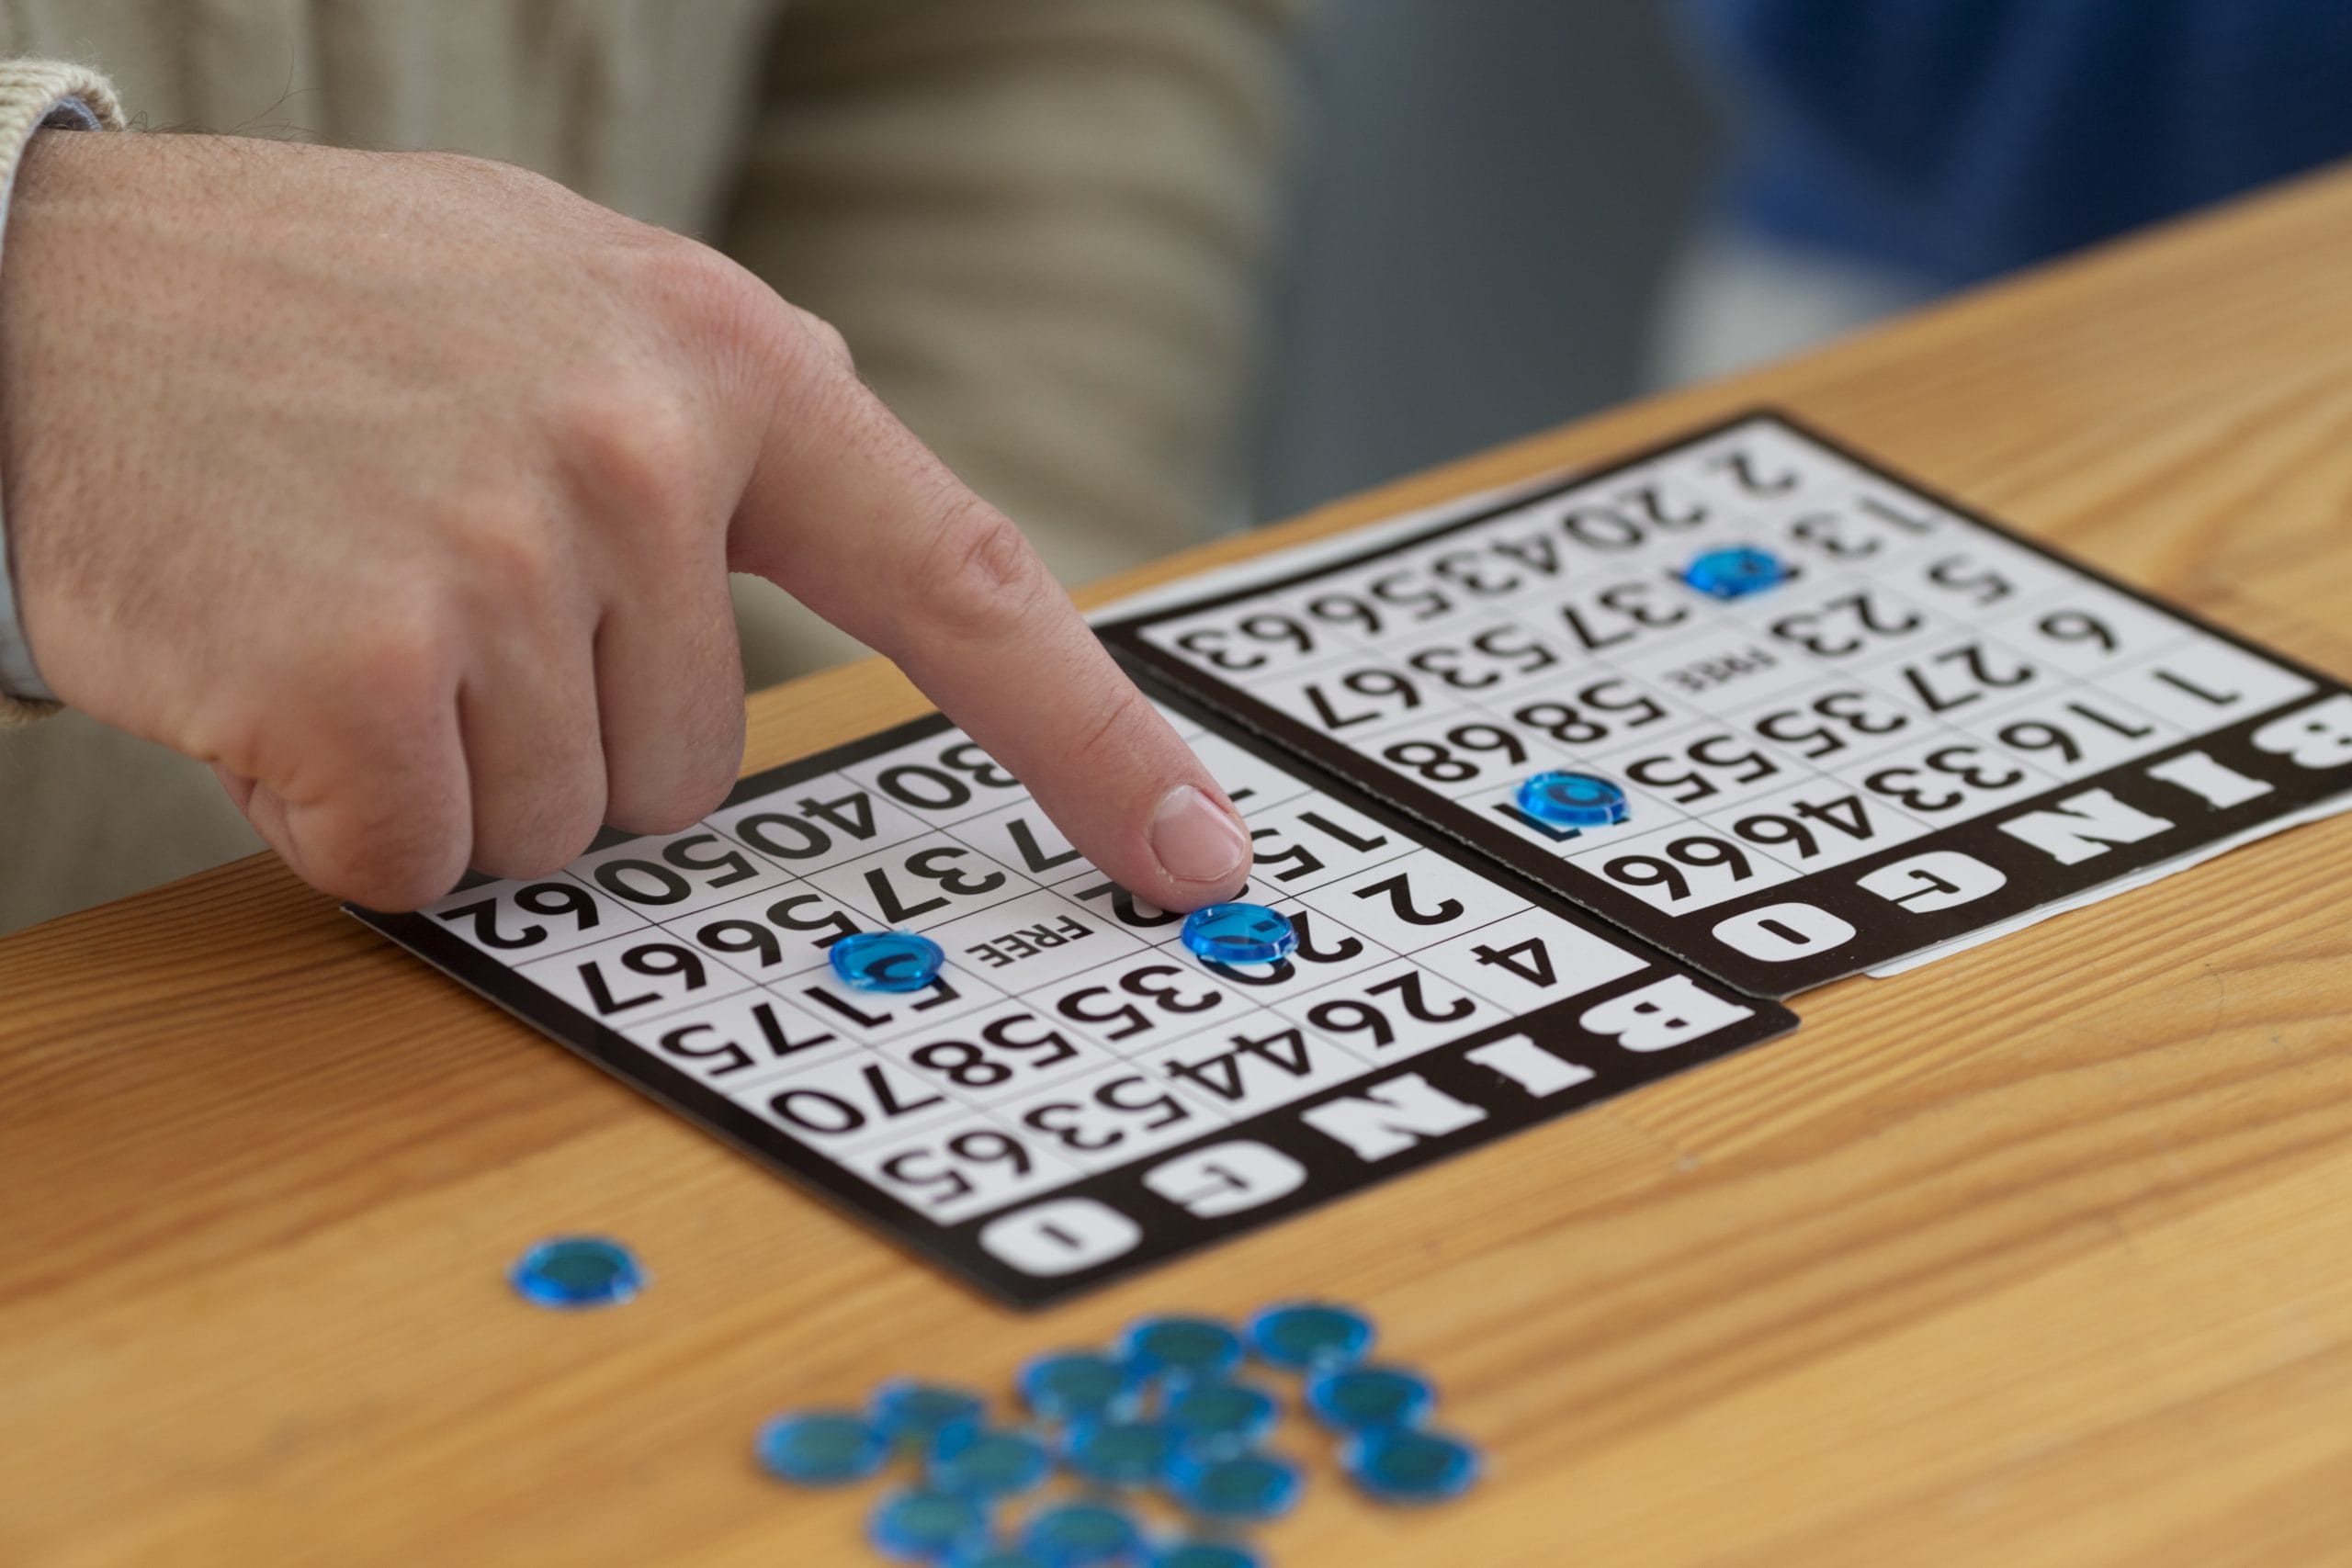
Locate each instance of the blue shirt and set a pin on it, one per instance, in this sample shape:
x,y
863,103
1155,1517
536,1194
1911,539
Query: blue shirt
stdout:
x,y
1958,138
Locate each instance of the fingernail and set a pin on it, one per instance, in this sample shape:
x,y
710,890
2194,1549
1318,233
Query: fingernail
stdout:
x,y
1196,839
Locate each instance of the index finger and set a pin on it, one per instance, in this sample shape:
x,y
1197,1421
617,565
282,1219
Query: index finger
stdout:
x,y
853,517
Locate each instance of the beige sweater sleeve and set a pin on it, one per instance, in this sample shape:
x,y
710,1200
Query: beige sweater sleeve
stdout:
x,y
36,94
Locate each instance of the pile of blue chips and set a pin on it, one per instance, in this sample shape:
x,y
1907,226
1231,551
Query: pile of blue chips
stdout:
x,y
1173,1420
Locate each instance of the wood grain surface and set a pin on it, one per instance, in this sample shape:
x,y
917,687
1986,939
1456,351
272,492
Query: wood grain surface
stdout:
x,y
2041,1255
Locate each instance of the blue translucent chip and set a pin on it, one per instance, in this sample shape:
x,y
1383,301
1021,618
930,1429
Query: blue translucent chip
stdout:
x,y
1001,1557
885,961
1083,1535
1573,800
1736,572
1300,1334
1206,1554
922,1526
1120,1453
821,1448
1240,933
914,1415
1078,1385
1221,1418
986,1463
1183,1349
1369,1399
1236,1487
577,1271
1405,1466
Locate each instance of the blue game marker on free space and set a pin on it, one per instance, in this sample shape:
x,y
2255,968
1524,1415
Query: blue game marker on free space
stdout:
x,y
1236,1488
1240,933
1736,572
1402,1465
1221,1418
1083,1535
1078,1385
1303,1336
885,961
1183,1350
1565,800
982,1461
924,1526
1369,1399
576,1271
917,1415
821,1448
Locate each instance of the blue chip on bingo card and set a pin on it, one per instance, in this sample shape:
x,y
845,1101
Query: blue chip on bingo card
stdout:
x,y
1083,1535
1240,933
1402,1465
1221,1418
922,1526
1079,1385
1369,1399
1120,1453
1573,800
986,1463
576,1271
821,1448
916,1415
885,961
1183,1350
1300,1335
1206,1554
1736,572
1236,1488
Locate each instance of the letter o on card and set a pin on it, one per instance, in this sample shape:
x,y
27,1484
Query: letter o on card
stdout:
x,y
1781,933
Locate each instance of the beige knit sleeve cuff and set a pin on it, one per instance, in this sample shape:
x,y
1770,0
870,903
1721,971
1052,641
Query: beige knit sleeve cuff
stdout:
x,y
36,94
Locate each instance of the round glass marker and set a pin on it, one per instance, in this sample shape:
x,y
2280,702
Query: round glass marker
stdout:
x,y
1221,1418
1121,1453
1206,1554
1240,933
821,1448
1001,1557
1565,800
1299,1336
885,961
1083,1535
1369,1399
922,1526
981,1463
1237,1488
576,1271
1736,572
1078,1385
1402,1465
916,1415
1183,1350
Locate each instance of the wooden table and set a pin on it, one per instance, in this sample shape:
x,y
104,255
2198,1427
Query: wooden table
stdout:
x,y
2041,1255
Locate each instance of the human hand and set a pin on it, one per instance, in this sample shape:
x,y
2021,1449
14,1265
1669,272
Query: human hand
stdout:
x,y
402,489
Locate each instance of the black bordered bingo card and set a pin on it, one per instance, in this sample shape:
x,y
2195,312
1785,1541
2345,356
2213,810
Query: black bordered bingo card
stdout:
x,y
1934,726
1078,1096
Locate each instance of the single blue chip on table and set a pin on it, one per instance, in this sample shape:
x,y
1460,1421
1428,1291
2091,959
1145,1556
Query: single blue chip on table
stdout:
x,y
922,1526
915,1414
1206,1554
1297,1336
987,1463
1083,1535
1736,572
1240,933
885,961
1402,1465
1183,1350
1369,1399
1241,1488
1001,1557
1573,800
1078,1385
571,1272
1221,1418
1121,1453
821,1448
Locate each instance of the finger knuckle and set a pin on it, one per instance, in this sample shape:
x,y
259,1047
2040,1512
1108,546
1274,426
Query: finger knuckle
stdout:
x,y
978,579
825,340
635,453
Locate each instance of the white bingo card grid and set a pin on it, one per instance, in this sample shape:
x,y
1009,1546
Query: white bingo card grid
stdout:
x,y
1934,725
1078,1095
